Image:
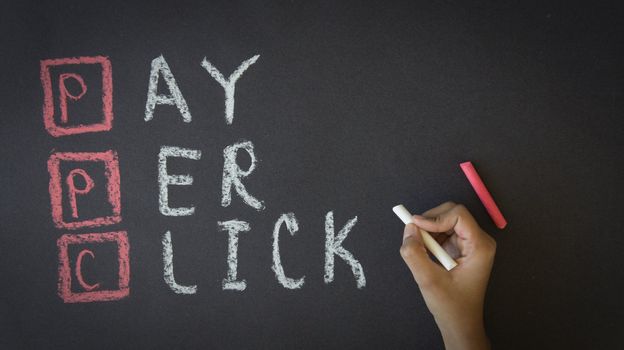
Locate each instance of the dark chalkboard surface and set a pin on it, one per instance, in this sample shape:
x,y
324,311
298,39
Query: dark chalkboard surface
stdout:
x,y
348,109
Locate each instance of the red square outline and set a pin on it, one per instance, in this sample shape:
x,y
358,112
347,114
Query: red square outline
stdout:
x,y
64,278
56,192
48,98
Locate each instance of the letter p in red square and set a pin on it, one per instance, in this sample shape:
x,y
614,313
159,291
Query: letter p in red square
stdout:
x,y
88,289
65,77
84,189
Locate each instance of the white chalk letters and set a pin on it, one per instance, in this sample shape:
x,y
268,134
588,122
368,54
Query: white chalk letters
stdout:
x,y
164,179
233,227
161,68
168,263
232,180
292,226
232,175
333,246
229,85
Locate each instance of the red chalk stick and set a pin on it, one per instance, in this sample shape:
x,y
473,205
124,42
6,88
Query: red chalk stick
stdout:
x,y
484,194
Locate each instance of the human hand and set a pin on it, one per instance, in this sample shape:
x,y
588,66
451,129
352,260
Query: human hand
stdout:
x,y
455,298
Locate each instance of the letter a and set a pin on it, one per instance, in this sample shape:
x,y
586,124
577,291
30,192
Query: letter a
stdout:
x,y
161,68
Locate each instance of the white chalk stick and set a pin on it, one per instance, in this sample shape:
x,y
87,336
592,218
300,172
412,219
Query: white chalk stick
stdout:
x,y
430,243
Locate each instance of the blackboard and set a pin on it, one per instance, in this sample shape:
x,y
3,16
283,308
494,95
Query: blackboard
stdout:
x,y
351,108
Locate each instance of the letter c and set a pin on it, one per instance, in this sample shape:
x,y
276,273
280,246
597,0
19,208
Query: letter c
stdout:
x,y
83,284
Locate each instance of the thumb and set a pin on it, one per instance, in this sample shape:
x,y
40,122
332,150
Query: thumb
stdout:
x,y
415,255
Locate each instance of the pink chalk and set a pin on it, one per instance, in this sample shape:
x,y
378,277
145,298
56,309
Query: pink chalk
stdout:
x,y
111,174
92,293
484,194
64,95
86,286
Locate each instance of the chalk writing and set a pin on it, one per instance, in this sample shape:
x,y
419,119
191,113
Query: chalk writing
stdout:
x,y
72,190
229,84
111,174
333,246
232,175
81,281
164,179
64,93
168,267
232,181
233,227
292,226
48,96
91,294
161,68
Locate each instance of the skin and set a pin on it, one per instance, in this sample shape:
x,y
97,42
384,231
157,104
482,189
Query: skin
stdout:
x,y
455,298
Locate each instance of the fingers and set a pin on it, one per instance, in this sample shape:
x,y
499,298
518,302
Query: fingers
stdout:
x,y
414,253
444,207
456,218
440,237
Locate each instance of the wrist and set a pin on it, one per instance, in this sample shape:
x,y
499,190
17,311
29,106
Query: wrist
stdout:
x,y
466,336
